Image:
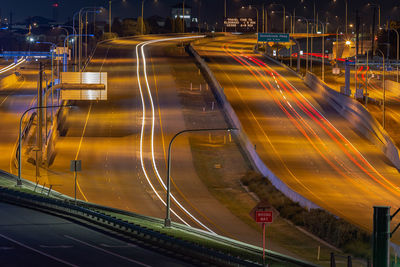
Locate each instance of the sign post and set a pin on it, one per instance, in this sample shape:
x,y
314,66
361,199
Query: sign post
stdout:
x,y
263,214
264,217
76,166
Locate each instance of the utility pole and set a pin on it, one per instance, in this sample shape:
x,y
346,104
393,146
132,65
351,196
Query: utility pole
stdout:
x,y
39,114
183,16
109,16
373,33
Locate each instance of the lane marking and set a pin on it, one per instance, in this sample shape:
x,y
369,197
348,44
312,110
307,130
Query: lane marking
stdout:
x,y
106,251
79,147
37,251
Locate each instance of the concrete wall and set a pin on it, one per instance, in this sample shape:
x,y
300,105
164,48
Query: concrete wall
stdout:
x,y
243,140
358,116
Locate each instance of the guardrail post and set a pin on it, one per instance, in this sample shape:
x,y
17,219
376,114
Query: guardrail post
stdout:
x,y
333,262
349,262
48,193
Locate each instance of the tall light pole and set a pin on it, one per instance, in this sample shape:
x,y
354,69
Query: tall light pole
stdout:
x,y
397,53
225,12
52,47
307,21
142,26
346,4
284,14
19,181
65,68
384,88
167,221
109,16
250,7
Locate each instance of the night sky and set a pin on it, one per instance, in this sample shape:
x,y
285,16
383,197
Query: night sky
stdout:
x,y
210,10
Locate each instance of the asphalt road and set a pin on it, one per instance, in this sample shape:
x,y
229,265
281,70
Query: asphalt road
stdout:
x,y
123,163
306,143
31,238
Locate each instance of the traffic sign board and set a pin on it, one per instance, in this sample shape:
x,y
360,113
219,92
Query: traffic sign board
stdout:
x,y
264,216
273,37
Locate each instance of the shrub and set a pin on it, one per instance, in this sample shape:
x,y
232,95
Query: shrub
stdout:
x,y
326,226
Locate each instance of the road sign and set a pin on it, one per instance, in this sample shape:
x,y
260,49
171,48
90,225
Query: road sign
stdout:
x,y
76,166
273,37
264,216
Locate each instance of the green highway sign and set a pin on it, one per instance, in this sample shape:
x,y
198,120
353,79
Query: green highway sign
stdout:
x,y
273,37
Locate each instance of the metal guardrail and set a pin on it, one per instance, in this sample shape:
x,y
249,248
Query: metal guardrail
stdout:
x,y
183,249
224,240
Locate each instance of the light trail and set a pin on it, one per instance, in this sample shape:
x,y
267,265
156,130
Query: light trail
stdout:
x,y
142,46
12,66
314,114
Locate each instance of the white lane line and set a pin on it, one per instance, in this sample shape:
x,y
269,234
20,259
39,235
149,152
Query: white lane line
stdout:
x,y
106,251
37,251
152,130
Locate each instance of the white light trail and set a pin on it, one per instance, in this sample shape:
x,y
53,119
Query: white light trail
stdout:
x,y
143,44
13,65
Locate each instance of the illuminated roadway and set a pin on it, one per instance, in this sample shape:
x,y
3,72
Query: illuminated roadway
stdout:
x,y
306,143
122,143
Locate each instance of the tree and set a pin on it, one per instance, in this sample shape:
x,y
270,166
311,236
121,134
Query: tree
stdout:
x,y
168,26
178,25
129,27
116,26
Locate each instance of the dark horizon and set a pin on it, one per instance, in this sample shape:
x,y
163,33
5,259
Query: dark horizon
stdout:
x,y
23,9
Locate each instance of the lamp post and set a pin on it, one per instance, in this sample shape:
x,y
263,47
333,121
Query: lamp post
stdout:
x,y
397,53
142,26
52,47
307,21
167,221
384,88
323,51
86,9
250,7
19,181
64,56
284,14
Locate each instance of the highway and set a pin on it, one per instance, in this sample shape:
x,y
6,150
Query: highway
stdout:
x,y
304,141
122,141
31,238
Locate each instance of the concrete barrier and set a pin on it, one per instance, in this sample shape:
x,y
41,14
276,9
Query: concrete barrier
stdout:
x,y
242,138
358,116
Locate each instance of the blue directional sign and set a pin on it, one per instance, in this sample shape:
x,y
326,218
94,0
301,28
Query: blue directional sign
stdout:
x,y
273,37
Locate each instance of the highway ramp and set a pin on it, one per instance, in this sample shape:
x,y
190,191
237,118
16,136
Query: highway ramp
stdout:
x,y
299,136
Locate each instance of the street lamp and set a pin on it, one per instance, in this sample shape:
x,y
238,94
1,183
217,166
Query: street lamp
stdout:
x,y
284,14
250,7
384,88
19,181
65,40
397,54
167,221
307,21
52,47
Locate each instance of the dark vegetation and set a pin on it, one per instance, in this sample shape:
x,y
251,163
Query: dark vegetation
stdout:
x,y
324,225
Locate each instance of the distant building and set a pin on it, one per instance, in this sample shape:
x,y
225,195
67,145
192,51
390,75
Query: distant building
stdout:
x,y
178,10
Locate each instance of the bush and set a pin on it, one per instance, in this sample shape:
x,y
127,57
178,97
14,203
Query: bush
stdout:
x,y
326,226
